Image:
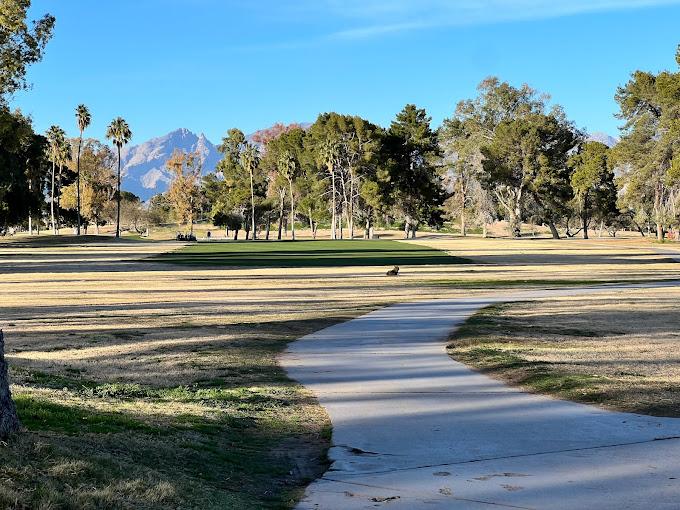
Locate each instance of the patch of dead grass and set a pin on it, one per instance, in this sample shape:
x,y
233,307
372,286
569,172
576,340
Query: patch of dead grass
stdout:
x,y
619,350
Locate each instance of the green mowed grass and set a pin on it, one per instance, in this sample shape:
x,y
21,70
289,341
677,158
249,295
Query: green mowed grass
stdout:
x,y
307,254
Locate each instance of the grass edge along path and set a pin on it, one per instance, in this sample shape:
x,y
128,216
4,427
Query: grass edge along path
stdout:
x,y
501,347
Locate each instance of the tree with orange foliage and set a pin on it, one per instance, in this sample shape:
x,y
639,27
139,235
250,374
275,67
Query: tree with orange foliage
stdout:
x,y
184,190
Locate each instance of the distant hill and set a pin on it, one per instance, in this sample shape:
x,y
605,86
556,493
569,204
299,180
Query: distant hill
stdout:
x,y
144,172
604,138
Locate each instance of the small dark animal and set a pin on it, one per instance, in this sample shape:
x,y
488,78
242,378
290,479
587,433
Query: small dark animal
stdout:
x,y
393,272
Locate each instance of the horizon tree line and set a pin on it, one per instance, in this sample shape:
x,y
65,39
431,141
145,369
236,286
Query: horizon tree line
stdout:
x,y
506,154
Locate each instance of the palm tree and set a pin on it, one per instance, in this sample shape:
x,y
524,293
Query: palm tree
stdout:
x,y
55,137
120,133
249,161
288,167
83,119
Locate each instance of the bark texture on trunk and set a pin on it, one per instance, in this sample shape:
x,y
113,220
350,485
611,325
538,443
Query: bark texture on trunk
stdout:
x,y
9,420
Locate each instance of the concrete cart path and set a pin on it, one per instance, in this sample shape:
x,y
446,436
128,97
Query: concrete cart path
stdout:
x,y
414,429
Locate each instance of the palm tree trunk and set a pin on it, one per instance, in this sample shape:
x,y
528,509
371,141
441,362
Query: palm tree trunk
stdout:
x,y
292,210
54,226
80,143
252,206
59,199
118,199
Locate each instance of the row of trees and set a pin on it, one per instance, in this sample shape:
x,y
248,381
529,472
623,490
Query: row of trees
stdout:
x,y
505,154
65,179
340,170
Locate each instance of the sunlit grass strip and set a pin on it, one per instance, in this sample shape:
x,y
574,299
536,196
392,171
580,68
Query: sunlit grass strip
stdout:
x,y
307,254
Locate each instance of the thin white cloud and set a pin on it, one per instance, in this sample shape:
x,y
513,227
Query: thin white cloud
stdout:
x,y
372,18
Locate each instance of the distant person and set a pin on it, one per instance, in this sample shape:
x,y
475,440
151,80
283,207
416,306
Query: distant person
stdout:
x,y
208,235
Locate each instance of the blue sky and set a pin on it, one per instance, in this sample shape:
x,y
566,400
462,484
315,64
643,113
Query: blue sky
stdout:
x,y
209,65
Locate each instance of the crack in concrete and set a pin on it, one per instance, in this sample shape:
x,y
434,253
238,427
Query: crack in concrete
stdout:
x,y
518,456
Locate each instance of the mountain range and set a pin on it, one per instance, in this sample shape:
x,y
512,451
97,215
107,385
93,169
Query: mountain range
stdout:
x,y
144,172
145,175
143,166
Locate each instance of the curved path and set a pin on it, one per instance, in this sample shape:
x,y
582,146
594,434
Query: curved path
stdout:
x,y
413,429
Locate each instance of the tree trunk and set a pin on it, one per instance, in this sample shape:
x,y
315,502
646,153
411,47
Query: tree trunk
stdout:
x,y
484,231
335,208
54,225
235,234
553,230
118,198
514,207
252,207
599,234
515,224
281,204
463,232
80,143
351,208
292,210
660,234
9,421
30,212
58,218
269,224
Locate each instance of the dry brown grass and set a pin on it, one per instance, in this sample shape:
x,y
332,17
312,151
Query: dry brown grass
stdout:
x,y
619,351
153,386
